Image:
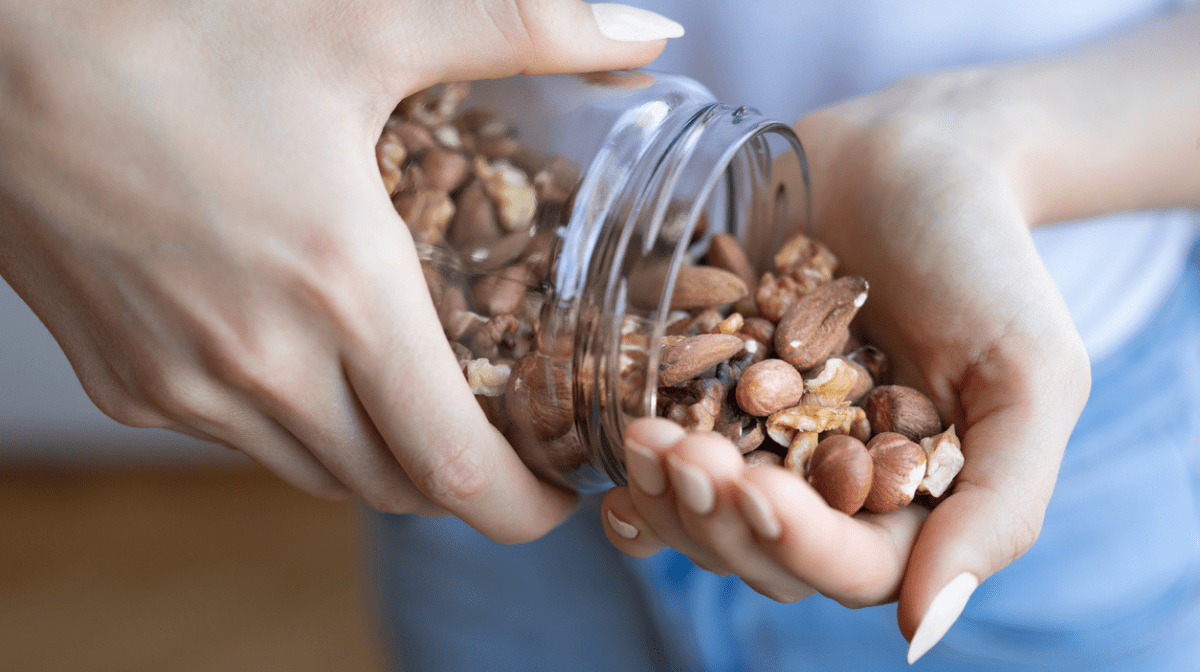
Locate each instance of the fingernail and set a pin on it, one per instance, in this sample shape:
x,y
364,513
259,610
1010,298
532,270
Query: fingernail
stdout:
x,y
757,511
644,469
942,613
693,487
621,527
631,24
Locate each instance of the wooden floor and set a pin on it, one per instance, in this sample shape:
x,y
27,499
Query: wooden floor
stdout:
x,y
216,570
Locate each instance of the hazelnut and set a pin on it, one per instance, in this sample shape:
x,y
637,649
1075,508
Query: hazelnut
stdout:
x,y
901,409
841,471
414,137
763,457
899,468
768,386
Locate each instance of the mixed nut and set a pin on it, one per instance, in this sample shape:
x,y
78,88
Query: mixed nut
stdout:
x,y
768,360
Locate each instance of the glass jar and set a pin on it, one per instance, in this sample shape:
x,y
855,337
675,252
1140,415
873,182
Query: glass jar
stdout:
x,y
553,255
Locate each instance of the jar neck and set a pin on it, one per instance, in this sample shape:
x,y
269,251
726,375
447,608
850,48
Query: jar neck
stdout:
x,y
645,210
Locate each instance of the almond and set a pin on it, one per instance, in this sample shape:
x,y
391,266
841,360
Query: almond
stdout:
x,y
726,253
706,286
682,360
818,323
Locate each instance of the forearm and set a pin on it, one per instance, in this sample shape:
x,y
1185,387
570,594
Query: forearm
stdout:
x,y
1113,126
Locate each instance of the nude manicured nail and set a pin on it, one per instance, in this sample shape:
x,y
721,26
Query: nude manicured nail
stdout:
x,y
621,527
757,511
644,469
631,24
693,486
943,611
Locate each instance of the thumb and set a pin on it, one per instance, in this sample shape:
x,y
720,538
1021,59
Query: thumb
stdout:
x,y
486,39
993,516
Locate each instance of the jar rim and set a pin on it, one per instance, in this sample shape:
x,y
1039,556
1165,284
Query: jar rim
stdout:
x,y
687,166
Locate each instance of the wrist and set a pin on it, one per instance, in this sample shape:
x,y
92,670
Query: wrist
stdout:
x,y
1110,127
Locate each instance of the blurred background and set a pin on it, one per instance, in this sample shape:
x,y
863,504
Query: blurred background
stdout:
x,y
133,549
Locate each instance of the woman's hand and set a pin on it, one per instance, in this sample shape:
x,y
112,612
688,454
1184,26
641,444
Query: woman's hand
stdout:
x,y
911,192
190,202
927,189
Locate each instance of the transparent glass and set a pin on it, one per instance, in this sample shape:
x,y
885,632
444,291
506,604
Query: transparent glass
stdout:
x,y
652,167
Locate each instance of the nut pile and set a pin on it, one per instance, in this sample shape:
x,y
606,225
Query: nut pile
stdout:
x,y
769,361
778,371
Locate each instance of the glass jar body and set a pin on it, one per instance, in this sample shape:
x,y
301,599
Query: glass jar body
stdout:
x,y
581,200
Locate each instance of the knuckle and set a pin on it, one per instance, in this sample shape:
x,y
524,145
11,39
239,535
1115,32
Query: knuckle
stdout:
x,y
125,410
179,393
453,476
264,364
114,395
339,283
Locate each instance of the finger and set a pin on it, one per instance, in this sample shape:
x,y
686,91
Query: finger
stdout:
x,y
402,369
1021,404
186,399
625,527
192,402
857,561
648,442
718,524
491,39
316,405
992,517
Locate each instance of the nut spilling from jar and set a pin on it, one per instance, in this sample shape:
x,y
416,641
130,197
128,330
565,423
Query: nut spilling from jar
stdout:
x,y
767,360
